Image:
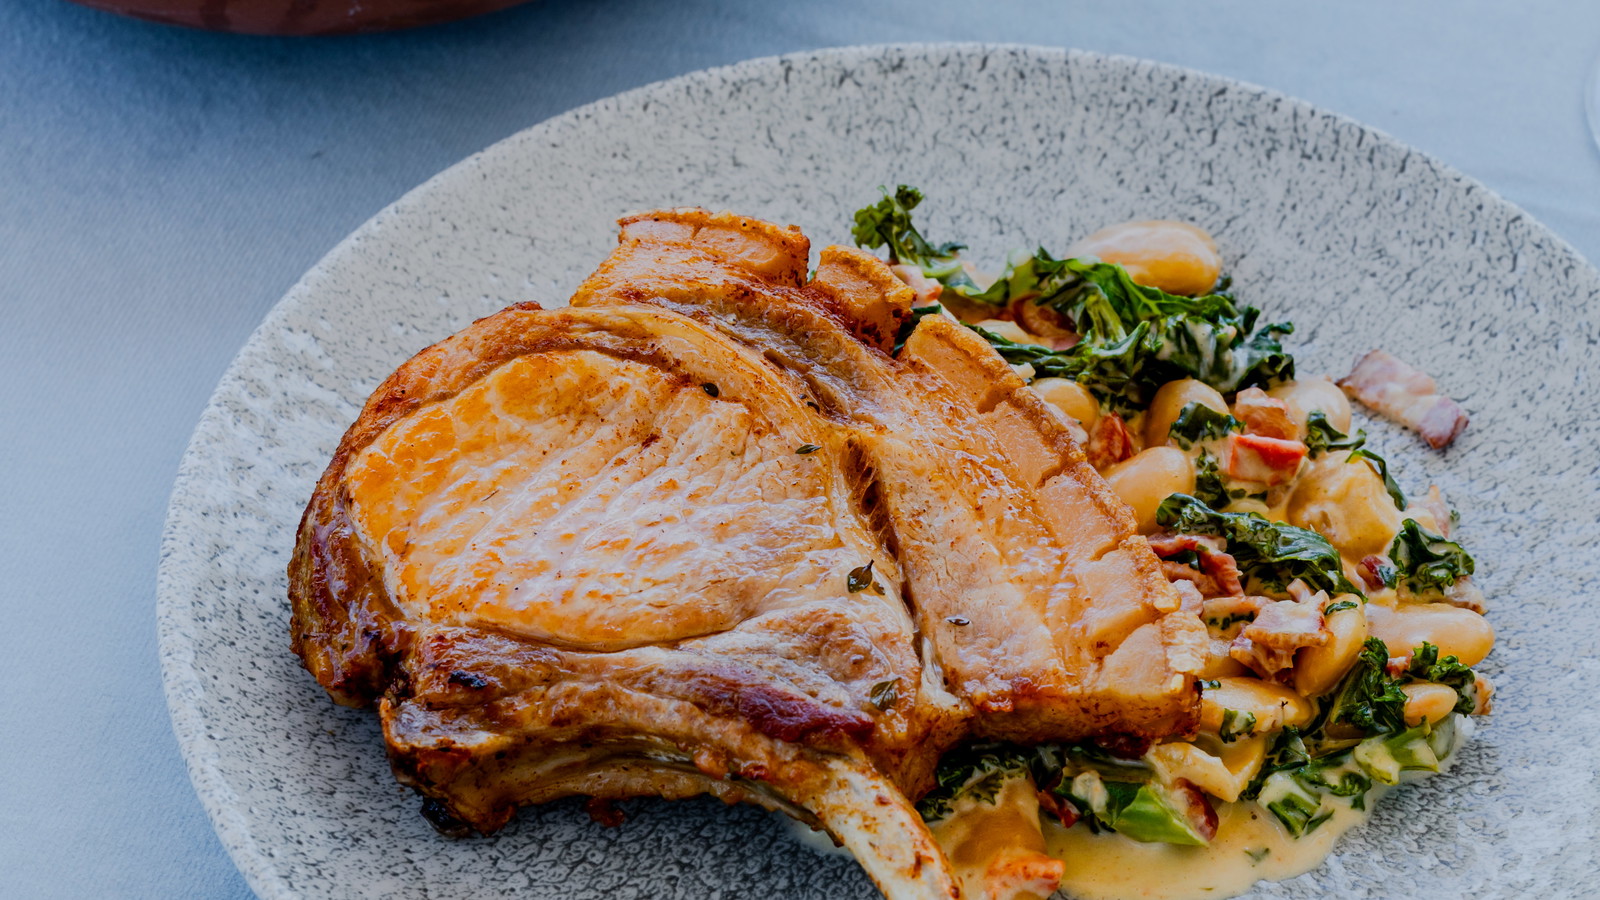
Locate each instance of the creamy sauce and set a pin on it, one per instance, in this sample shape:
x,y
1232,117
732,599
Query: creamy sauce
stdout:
x,y
1250,846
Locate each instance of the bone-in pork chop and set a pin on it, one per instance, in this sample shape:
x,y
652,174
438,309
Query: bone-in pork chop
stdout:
x,y
700,532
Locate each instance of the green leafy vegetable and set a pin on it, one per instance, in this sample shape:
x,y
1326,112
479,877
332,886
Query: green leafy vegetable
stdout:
x,y
1133,338
806,449
1426,666
1322,436
1236,724
1425,562
1144,811
1382,468
1268,551
888,224
1197,422
1368,698
977,771
1384,757
1298,806
1209,487
1332,608
1123,359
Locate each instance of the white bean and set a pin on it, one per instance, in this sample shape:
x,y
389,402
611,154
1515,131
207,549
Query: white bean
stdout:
x,y
1318,669
1150,477
1170,399
1071,398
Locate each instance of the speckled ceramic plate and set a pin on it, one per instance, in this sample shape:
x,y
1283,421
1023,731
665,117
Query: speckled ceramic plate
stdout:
x,y
1359,240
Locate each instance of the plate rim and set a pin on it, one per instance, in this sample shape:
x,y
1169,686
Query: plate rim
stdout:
x,y
175,587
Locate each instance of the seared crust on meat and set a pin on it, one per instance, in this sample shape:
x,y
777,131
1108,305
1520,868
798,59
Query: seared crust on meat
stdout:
x,y
607,550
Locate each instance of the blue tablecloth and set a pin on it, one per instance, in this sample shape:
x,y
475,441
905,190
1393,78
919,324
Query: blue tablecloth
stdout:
x,y
161,188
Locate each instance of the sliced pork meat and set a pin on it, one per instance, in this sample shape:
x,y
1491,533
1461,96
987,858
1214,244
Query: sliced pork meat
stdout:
x,y
702,533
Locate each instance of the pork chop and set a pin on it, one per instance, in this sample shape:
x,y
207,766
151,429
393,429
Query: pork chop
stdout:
x,y
700,532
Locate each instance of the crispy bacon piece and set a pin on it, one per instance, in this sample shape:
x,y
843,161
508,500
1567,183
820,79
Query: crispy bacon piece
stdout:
x,y
1263,415
1109,442
1052,329
1435,506
1199,811
1369,568
1181,573
1265,460
1466,595
1063,809
1405,394
1268,644
1224,608
1219,571
924,290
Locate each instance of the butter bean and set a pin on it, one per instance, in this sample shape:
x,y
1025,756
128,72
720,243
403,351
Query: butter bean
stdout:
x,y
1318,669
1071,398
1428,702
1314,395
1274,706
1176,257
1170,399
1457,632
1150,477
1346,503
1009,330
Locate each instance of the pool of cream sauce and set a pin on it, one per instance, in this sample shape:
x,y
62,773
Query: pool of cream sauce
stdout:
x,y
1250,846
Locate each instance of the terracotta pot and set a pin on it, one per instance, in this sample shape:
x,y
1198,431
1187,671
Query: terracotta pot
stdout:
x,y
300,16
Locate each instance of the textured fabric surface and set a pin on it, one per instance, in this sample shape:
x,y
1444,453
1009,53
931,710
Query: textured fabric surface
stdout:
x,y
160,189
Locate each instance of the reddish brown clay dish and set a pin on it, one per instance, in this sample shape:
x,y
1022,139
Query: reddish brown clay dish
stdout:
x,y
300,17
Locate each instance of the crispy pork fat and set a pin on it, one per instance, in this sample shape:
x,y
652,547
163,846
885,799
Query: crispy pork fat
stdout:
x,y
702,531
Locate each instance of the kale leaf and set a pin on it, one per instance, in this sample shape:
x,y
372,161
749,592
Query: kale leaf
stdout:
x,y
1321,436
1133,338
1382,467
1426,666
1427,562
1367,697
1197,422
888,224
977,771
1271,552
1209,487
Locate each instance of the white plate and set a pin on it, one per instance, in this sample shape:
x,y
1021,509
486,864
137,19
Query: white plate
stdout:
x,y
1359,240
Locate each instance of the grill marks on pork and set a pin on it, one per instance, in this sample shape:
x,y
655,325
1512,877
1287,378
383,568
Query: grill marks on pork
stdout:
x,y
578,551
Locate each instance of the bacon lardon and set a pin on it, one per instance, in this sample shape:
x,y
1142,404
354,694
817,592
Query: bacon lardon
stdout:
x,y
1405,394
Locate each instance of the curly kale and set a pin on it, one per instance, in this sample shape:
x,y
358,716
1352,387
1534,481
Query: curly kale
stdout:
x,y
1271,552
1426,665
1321,436
1133,338
1209,486
1427,563
1197,423
1381,466
977,771
1368,698
888,224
